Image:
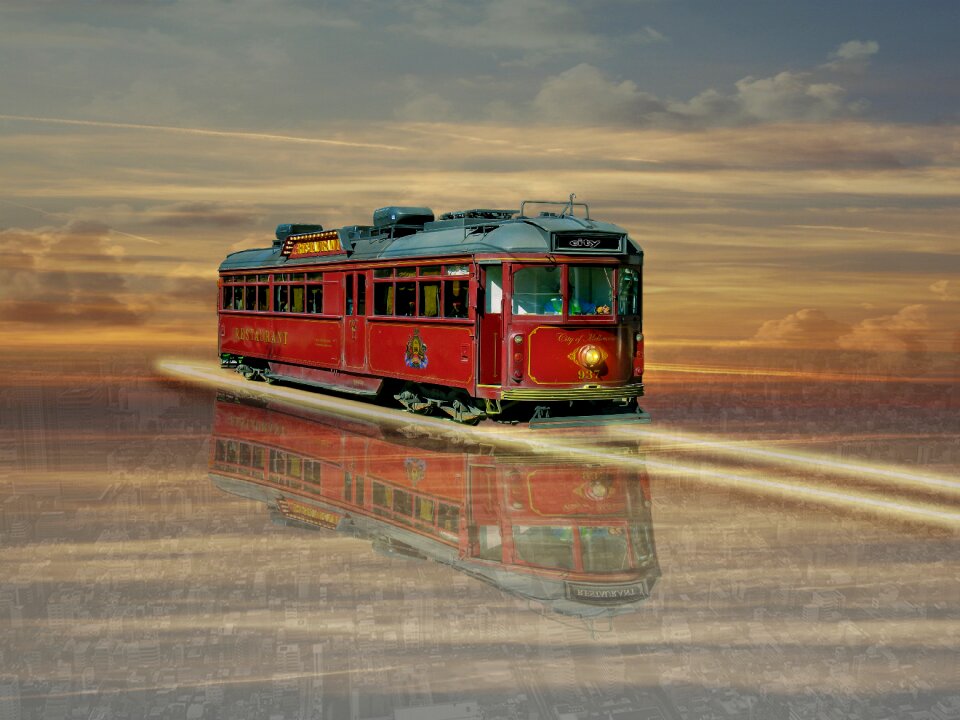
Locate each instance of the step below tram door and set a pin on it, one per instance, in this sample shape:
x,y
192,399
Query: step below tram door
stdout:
x,y
490,316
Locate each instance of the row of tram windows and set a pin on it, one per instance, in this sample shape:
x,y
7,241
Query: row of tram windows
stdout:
x,y
428,291
292,292
304,474
421,292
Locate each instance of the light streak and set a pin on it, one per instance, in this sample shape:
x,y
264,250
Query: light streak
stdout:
x,y
859,501
562,447
791,374
271,137
819,462
217,682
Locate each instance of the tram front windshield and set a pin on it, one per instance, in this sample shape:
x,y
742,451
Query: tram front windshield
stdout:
x,y
602,548
540,290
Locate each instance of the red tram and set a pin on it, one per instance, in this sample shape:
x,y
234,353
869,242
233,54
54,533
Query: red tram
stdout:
x,y
480,313
575,538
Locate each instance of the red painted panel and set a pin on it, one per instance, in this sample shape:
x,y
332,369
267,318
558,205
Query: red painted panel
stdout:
x,y
274,429
354,342
425,352
551,354
312,341
435,474
563,491
491,349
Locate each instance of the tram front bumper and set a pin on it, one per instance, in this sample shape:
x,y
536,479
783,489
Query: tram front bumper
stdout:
x,y
589,392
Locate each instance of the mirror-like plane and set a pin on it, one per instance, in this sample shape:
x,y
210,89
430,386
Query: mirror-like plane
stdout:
x,y
572,538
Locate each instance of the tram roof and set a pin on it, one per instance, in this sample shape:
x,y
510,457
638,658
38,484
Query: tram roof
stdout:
x,y
470,236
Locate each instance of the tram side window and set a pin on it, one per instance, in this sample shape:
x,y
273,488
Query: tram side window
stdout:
x,y
262,293
430,299
257,460
628,295
382,495
455,298
448,518
315,299
281,298
383,298
425,510
296,298
251,298
536,291
402,502
406,299
227,297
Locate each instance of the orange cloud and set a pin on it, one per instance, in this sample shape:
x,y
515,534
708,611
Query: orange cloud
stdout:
x,y
65,276
808,327
946,290
903,330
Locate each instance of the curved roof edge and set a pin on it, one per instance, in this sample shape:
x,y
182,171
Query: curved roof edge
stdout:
x,y
516,235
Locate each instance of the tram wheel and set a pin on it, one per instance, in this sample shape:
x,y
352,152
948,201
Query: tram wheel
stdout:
x,y
412,401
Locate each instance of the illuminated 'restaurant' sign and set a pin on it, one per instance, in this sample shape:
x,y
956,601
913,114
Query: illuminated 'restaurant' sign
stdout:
x,y
310,244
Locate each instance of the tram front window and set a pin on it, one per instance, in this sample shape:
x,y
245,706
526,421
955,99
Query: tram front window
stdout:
x,y
544,545
536,291
605,549
591,290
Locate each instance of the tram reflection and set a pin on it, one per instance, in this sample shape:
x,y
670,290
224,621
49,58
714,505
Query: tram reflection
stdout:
x,y
573,538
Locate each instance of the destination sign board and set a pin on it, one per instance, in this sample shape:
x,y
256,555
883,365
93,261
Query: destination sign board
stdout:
x,y
595,594
588,242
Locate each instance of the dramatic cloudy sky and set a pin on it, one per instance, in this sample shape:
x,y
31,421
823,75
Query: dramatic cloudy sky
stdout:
x,y
792,169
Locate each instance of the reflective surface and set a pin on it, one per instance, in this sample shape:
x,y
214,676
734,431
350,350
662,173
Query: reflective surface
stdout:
x,y
190,546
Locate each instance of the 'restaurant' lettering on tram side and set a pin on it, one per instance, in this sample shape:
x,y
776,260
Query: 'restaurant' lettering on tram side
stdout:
x,y
261,335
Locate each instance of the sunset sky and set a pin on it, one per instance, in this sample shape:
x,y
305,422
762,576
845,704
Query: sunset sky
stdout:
x,y
791,169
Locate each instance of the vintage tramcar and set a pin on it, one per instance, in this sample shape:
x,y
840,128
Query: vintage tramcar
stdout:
x,y
480,313
573,538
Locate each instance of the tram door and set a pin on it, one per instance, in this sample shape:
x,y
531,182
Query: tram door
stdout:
x,y
354,320
490,314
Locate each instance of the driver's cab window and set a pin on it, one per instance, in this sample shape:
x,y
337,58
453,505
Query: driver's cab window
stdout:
x,y
536,291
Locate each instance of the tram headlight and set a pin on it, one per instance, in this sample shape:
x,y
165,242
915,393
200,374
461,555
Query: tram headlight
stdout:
x,y
590,356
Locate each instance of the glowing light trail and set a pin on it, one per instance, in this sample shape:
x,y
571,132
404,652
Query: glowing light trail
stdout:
x,y
859,501
792,374
820,462
562,446
204,131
